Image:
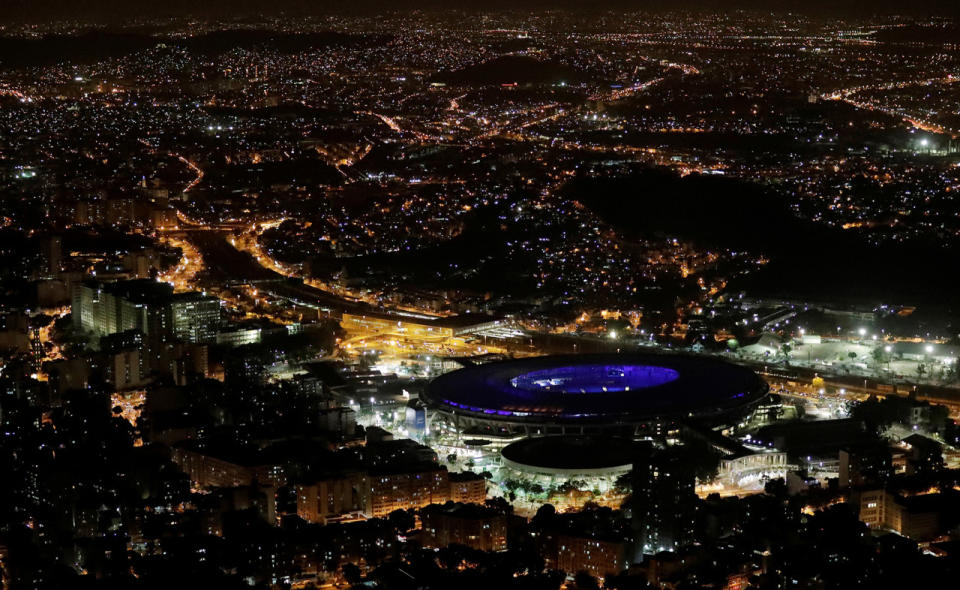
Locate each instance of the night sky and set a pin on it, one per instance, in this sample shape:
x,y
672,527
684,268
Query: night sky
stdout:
x,y
107,10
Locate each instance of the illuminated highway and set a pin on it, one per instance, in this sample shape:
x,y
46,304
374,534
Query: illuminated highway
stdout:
x,y
184,273
847,95
196,169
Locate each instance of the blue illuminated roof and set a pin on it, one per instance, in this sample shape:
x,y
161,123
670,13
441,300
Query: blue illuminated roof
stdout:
x,y
594,378
594,387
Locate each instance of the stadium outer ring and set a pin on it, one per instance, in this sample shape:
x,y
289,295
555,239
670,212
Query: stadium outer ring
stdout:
x,y
497,399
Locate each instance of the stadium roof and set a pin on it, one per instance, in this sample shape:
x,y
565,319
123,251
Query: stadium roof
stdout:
x,y
576,387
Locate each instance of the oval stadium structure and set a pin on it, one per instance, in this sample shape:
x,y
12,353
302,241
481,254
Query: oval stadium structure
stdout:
x,y
632,394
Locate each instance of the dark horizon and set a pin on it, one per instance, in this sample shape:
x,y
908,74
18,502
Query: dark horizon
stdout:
x,y
111,11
